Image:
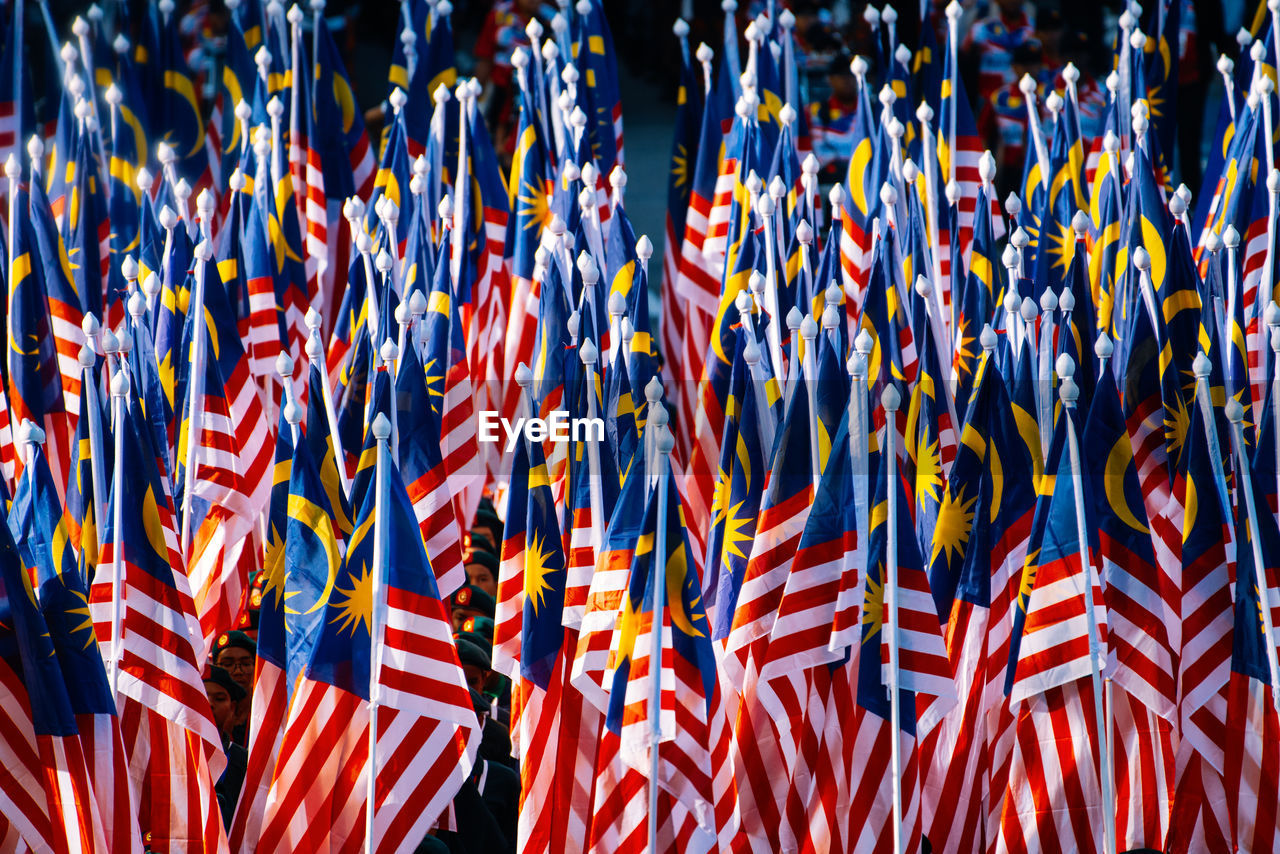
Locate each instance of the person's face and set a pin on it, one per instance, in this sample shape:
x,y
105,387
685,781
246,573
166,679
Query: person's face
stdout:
x,y
479,575
220,701
239,663
460,616
475,677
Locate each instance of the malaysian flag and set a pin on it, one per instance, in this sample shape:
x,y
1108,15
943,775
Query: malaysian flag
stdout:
x,y
418,443
66,306
595,54
975,564
692,736
739,486
147,626
530,199
751,609
451,391
1054,796
682,325
959,146
219,520
800,674
45,721
270,690
64,605
426,728
595,658
1253,725
1208,558
33,363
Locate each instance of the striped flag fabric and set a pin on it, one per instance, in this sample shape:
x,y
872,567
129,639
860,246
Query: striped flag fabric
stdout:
x,y
692,745
270,690
57,762
147,627
426,730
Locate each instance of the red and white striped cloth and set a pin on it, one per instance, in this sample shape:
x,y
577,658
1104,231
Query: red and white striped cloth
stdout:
x,y
266,729
263,342
699,277
555,733
715,245
426,741
175,752
439,525
22,795
221,555
1054,796
1253,763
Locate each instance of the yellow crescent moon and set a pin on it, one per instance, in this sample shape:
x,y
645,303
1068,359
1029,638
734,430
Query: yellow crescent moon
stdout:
x,y
180,84
1153,242
312,517
677,571
151,525
1113,481
997,480
859,163
1191,505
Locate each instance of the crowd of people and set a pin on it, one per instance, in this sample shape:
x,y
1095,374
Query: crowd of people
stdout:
x,y
1003,41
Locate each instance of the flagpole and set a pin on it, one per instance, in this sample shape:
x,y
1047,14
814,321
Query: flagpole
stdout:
x,y
462,183
195,389
315,354
890,399
664,444
809,332
119,396
1027,86
381,542
1069,393
857,366
88,360
953,12
1235,414
1200,368
1275,389
1044,373
766,207
924,114
589,355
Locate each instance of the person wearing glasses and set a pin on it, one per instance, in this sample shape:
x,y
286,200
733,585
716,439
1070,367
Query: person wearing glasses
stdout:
x,y
236,653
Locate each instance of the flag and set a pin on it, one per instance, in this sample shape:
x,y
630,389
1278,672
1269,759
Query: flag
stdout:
x,y
270,700
1054,795
693,745
1253,724
959,146
311,558
426,477
427,730
43,708
33,362
65,607
175,752
736,503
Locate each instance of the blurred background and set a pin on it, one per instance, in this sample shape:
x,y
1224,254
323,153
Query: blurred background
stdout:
x,y
1002,40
